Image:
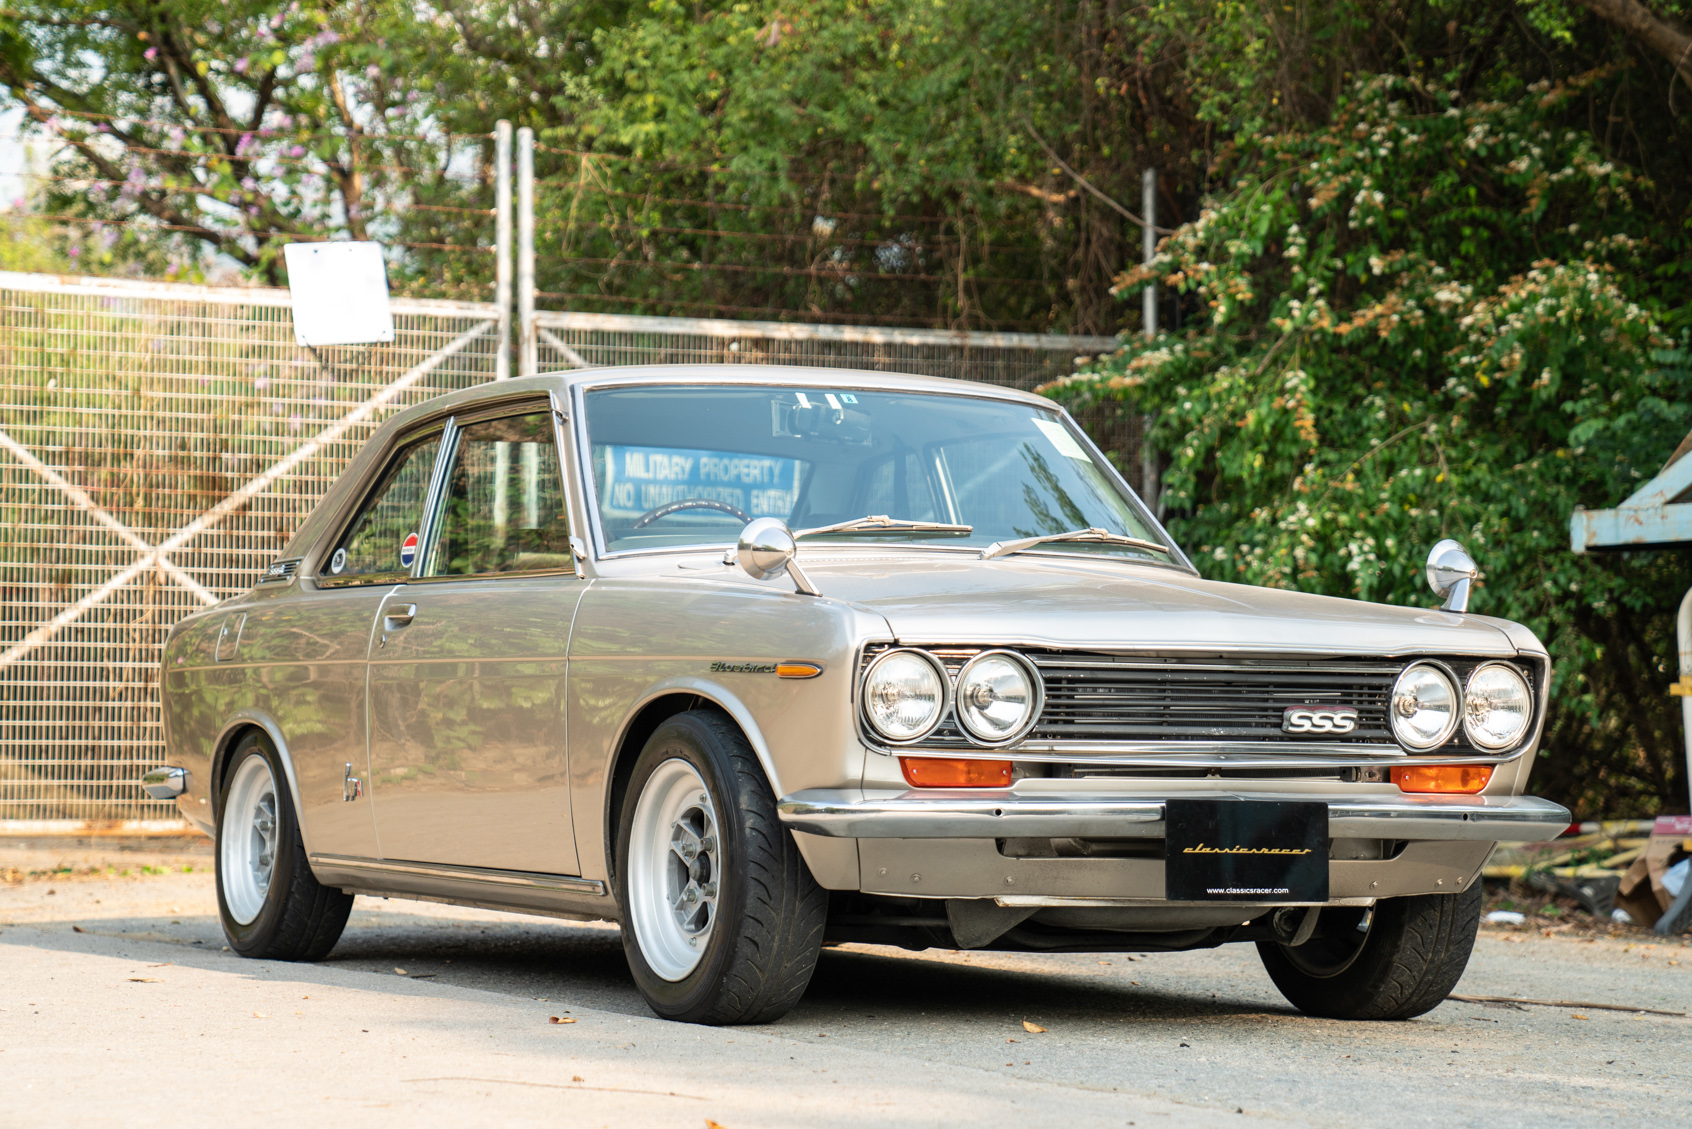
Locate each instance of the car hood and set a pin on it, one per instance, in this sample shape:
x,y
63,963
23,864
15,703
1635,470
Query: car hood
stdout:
x,y
1092,603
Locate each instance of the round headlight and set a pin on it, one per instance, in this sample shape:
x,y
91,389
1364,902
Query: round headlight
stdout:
x,y
1496,706
904,695
998,697
1424,707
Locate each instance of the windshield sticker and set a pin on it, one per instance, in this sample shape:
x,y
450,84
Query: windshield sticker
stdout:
x,y
338,561
408,549
639,479
1062,439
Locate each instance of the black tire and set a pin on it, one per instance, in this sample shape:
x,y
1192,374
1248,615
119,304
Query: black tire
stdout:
x,y
1406,962
300,918
770,912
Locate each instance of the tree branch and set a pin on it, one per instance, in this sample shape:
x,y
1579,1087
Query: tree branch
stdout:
x,y
1087,184
1666,37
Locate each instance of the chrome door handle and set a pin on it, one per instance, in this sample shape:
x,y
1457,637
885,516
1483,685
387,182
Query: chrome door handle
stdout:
x,y
398,616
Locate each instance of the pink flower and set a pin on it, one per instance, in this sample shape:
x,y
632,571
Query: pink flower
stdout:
x,y
150,53
241,65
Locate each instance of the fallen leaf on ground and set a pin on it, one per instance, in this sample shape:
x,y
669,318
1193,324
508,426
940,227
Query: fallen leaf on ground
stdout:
x,y
399,972
78,929
709,1124
145,980
1577,1015
260,1015
1033,1028
577,1078
560,1019
1013,1040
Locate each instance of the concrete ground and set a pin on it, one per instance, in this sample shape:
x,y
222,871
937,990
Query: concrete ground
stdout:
x,y
119,1005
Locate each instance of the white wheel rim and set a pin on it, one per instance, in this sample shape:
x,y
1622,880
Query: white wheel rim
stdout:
x,y
675,868
247,853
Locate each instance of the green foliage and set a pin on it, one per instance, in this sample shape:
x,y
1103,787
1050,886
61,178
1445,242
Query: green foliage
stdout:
x,y
232,126
1424,320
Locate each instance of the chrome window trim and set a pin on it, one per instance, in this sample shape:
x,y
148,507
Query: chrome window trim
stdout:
x,y
392,576
517,405
584,455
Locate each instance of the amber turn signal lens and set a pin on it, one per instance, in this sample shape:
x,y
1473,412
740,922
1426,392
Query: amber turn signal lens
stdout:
x,y
797,670
1466,779
945,772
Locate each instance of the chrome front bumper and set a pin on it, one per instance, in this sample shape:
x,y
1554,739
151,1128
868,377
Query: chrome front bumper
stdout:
x,y
852,813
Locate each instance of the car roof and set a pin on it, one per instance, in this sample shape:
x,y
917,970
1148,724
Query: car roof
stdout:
x,y
725,374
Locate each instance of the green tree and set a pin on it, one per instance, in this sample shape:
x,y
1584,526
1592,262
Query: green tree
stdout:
x,y
1426,318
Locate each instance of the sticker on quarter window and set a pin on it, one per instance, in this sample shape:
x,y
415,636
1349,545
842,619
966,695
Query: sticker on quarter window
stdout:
x,y
338,561
408,549
1061,439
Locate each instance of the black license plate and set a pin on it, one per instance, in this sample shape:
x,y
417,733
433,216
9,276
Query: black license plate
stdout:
x,y
1245,851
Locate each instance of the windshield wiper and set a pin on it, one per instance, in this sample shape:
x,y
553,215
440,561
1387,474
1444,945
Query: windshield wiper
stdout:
x,y
1102,536
881,523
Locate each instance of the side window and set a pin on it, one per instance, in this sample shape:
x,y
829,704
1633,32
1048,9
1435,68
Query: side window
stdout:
x,y
382,539
504,509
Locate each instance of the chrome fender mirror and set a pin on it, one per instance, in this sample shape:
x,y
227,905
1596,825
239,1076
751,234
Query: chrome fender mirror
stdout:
x,y
1451,572
767,549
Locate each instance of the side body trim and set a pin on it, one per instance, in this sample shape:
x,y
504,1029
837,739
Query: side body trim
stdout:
x,y
523,879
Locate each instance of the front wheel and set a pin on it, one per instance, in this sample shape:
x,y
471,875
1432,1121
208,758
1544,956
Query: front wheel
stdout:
x,y
722,921
1395,960
271,905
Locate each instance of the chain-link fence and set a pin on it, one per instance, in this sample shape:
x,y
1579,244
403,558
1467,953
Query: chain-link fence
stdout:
x,y
160,442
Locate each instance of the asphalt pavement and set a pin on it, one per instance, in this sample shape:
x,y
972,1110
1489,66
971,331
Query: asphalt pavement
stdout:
x,y
120,1005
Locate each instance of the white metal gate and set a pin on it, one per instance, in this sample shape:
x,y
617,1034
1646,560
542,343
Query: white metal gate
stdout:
x,y
160,442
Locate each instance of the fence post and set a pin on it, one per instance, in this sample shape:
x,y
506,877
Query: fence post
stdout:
x,y
502,246
1151,489
528,356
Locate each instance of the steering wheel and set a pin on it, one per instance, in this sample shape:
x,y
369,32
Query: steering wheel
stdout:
x,y
651,516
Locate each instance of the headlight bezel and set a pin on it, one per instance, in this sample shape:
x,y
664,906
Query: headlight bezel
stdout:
x,y
946,691
1037,699
1527,718
1451,724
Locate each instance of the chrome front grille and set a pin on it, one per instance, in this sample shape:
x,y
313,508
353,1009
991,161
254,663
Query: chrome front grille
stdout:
x,y
1100,699
1197,703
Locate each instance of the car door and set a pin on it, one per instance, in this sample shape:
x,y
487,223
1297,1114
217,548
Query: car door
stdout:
x,y
304,657
466,670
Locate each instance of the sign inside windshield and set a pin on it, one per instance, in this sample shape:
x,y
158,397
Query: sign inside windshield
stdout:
x,y
638,479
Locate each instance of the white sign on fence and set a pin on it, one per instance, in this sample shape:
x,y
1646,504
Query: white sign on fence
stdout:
x,y
340,293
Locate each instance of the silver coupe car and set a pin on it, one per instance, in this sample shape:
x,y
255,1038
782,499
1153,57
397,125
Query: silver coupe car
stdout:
x,y
753,660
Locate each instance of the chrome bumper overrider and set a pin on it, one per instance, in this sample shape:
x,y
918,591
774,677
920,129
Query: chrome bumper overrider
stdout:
x,y
852,813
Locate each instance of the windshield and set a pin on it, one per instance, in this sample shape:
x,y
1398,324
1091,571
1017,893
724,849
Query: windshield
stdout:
x,y
678,465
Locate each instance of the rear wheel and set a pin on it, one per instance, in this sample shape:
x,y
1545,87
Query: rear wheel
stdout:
x,y
722,920
1395,960
271,905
